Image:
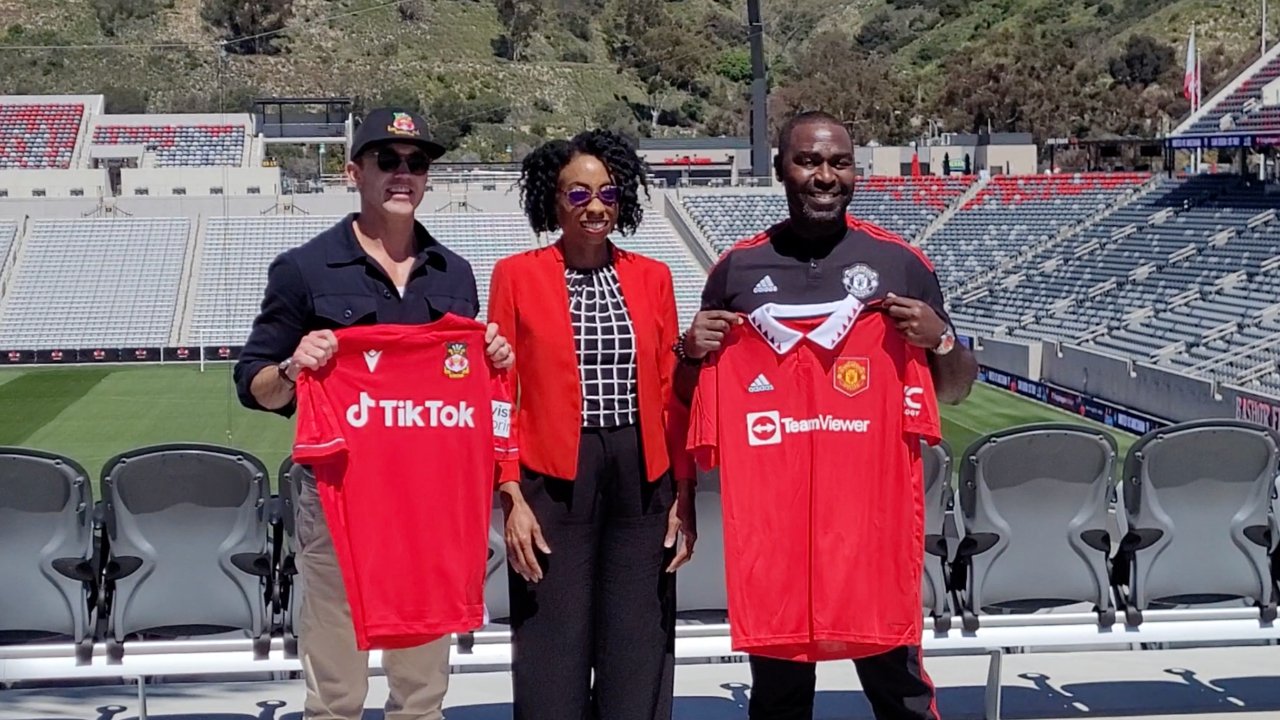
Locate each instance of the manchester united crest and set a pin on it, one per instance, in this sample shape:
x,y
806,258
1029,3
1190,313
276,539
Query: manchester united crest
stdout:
x,y
861,281
851,375
456,364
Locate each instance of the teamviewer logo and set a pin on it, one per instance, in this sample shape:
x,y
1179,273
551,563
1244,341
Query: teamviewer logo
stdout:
x,y
764,428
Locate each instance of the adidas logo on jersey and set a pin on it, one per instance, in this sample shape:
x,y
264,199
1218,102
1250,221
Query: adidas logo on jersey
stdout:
x,y
760,384
407,413
765,286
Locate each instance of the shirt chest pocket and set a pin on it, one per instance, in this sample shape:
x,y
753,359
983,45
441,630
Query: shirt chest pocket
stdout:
x,y
345,309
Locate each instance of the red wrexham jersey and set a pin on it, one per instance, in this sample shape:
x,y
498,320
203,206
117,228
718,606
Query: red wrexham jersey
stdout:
x,y
816,432
402,428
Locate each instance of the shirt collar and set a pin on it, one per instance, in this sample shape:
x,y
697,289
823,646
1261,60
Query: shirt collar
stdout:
x,y
841,315
346,248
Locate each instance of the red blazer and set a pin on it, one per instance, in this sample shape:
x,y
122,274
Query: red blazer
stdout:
x,y
529,300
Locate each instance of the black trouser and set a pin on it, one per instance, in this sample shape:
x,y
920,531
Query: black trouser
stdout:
x,y
894,682
605,602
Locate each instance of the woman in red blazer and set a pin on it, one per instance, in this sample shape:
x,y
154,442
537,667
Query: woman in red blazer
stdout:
x,y
595,526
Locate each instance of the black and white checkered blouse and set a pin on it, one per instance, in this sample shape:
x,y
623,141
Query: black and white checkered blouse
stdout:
x,y
606,347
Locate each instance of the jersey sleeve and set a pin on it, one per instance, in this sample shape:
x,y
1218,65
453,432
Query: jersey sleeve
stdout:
x,y
919,400
506,448
924,285
318,436
704,438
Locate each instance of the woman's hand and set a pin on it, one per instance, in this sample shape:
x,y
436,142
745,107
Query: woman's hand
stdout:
x,y
682,525
522,533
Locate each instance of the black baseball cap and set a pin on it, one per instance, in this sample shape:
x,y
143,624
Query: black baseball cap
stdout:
x,y
387,125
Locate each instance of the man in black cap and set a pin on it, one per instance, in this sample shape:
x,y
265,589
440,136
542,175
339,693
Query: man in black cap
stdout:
x,y
375,266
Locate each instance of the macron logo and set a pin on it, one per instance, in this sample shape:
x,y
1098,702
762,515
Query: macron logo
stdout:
x,y
765,286
371,358
760,384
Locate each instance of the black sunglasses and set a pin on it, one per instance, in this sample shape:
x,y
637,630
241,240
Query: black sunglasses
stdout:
x,y
578,197
390,161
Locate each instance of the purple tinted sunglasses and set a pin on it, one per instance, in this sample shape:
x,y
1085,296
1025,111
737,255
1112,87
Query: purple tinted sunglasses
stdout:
x,y
578,197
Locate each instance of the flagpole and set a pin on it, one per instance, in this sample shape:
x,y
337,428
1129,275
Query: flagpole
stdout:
x,y
1196,94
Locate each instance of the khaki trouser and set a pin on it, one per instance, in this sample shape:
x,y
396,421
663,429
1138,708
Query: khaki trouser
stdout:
x,y
337,674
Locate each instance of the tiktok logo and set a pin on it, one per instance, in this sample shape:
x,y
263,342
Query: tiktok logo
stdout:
x,y
407,413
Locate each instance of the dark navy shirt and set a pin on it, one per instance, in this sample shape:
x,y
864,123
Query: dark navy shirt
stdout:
x,y
329,283
778,267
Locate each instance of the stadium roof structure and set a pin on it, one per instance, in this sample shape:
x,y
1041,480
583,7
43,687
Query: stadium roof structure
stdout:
x,y
1237,115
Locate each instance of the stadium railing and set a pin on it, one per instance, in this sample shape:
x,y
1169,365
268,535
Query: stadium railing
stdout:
x,y
1024,494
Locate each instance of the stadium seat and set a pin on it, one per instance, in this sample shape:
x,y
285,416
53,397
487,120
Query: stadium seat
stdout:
x,y
47,556
497,601
700,584
1034,503
1195,527
287,598
938,496
186,528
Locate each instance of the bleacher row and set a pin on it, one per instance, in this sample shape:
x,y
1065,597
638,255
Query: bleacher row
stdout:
x,y
36,135
119,282
1184,273
1035,546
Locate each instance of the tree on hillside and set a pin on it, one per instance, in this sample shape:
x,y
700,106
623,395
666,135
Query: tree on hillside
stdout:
x,y
249,27
1143,62
520,18
114,15
864,90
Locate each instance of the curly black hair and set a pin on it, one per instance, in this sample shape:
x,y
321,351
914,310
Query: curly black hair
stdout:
x,y
540,176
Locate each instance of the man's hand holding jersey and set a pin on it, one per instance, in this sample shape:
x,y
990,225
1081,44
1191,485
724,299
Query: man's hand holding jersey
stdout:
x,y
916,320
706,335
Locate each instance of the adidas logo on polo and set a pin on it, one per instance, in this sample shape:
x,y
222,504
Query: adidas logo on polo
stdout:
x,y
760,384
765,286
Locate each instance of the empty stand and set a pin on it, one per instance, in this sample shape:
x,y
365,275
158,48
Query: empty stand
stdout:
x,y
95,282
8,233
482,239
658,240
902,205
234,258
48,561
1013,213
187,533
38,135
1244,106
237,252
180,145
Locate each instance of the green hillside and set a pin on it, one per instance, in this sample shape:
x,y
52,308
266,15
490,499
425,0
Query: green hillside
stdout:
x,y
503,73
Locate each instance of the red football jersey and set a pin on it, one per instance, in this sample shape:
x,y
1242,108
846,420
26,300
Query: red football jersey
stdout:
x,y
402,428
816,431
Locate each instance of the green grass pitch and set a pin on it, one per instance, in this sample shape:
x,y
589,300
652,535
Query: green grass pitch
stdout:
x,y
92,413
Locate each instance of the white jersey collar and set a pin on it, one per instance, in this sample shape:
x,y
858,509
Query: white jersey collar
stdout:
x,y
840,317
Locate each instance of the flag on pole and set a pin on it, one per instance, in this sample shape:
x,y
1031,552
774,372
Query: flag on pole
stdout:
x,y
1191,73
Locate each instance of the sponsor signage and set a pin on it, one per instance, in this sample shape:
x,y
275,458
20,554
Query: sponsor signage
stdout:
x,y
91,355
1255,410
1085,406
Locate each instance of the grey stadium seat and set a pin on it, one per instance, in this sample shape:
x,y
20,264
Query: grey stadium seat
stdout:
x,y
937,496
187,528
47,553
1196,527
288,596
1034,504
497,600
